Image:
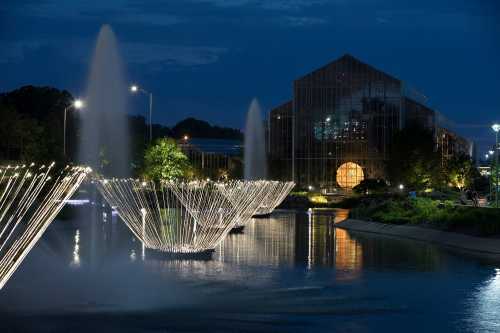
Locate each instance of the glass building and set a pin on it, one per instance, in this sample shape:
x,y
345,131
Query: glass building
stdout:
x,y
338,127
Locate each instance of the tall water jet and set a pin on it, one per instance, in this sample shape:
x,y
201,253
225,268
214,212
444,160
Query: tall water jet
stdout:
x,y
104,138
255,144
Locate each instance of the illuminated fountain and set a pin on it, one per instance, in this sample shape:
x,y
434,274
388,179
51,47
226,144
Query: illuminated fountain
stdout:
x,y
251,193
30,199
276,193
174,217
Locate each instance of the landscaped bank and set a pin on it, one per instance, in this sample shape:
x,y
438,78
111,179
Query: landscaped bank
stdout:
x,y
442,215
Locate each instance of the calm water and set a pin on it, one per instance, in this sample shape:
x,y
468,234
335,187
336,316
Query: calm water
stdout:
x,y
288,273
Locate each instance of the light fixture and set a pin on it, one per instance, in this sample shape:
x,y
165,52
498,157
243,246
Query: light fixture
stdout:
x,y
496,127
134,88
186,137
401,187
491,152
78,104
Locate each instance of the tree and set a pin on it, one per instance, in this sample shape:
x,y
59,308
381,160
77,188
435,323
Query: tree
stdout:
x,y
165,161
413,161
201,129
371,186
460,171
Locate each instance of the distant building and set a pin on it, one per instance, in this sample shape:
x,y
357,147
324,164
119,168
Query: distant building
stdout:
x,y
338,127
213,158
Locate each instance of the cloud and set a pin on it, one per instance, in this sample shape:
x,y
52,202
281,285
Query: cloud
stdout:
x,y
121,11
154,56
13,52
171,55
268,4
382,20
303,21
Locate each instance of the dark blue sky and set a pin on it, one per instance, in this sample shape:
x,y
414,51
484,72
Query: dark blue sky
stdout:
x,y
208,58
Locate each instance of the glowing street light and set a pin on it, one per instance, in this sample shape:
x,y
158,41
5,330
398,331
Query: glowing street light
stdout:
x,y
185,137
491,152
135,89
496,128
77,104
401,187
486,156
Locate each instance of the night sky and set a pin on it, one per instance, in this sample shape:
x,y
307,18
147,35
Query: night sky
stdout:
x,y
208,58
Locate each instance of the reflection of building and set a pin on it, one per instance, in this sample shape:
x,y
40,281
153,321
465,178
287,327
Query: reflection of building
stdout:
x,y
348,255
269,242
319,243
346,111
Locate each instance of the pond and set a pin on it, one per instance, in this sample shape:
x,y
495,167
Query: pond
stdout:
x,y
290,272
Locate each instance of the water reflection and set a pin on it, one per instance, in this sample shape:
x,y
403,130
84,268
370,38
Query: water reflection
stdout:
x,y
484,304
348,256
286,239
292,269
76,250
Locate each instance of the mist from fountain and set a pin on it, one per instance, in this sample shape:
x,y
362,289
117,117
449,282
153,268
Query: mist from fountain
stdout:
x,y
255,144
104,139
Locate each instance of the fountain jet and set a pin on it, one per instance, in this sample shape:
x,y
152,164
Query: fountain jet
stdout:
x,y
255,144
104,143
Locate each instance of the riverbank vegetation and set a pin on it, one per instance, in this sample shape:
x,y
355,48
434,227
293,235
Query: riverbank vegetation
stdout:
x,y
426,212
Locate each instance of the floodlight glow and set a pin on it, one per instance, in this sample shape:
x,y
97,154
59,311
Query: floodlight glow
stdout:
x,y
29,202
186,137
78,104
134,88
491,152
496,127
401,186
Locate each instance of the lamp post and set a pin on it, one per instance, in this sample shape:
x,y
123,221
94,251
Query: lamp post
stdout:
x,y
134,89
496,128
77,104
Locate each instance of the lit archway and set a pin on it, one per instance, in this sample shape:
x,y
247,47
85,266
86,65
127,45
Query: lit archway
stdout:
x,y
349,175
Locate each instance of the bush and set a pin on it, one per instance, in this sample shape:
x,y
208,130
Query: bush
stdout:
x,y
371,186
442,215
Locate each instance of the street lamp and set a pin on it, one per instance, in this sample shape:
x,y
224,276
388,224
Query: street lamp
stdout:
x,y
77,104
496,128
135,89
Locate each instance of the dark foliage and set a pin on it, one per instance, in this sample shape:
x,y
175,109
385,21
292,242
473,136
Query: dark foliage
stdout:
x,y
195,128
371,186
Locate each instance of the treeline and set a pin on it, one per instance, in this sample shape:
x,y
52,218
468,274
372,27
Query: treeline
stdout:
x,y
31,127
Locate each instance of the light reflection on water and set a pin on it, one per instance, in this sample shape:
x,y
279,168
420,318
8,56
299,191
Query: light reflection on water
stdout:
x,y
294,269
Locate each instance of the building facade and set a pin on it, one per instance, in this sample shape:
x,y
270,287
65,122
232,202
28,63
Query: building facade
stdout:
x,y
215,159
338,127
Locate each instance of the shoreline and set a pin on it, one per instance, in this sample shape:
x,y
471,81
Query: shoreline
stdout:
x,y
488,248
